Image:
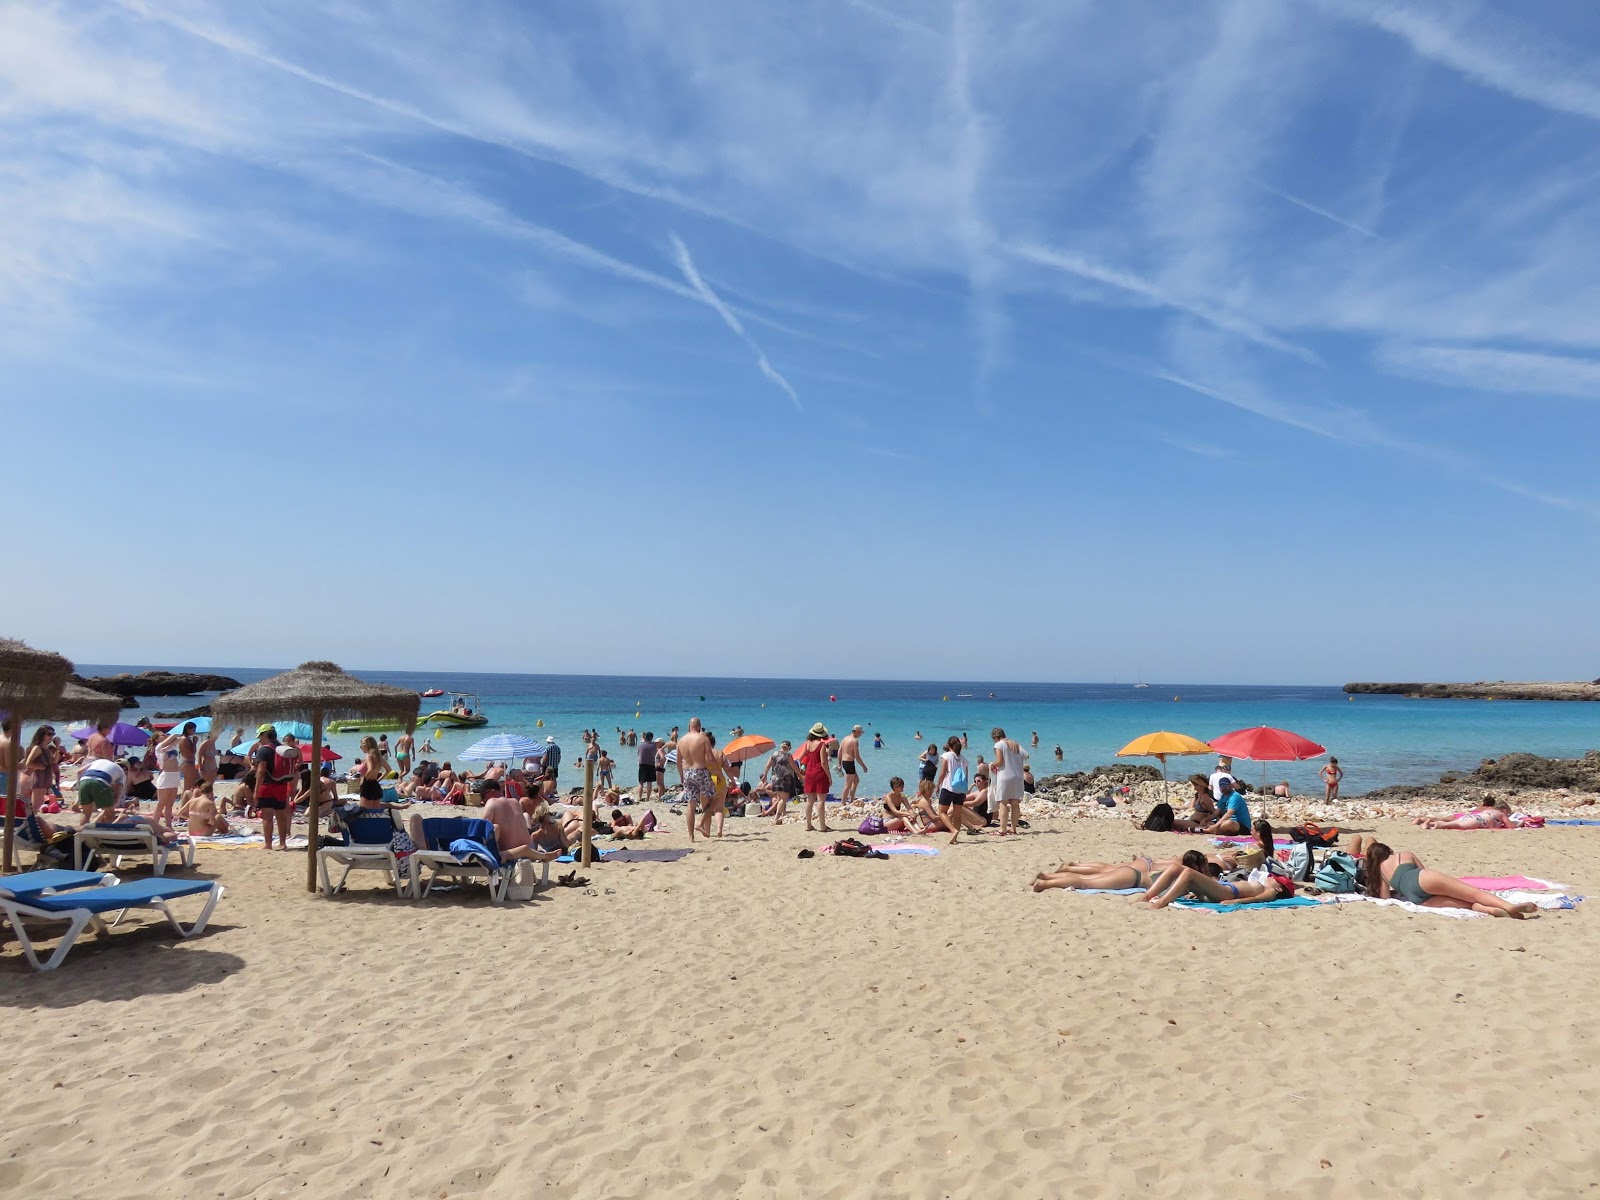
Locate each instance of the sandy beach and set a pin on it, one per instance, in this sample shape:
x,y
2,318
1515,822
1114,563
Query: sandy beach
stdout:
x,y
738,1021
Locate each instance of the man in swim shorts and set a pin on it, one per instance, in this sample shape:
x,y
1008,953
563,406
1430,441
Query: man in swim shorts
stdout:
x,y
696,757
647,766
849,759
101,786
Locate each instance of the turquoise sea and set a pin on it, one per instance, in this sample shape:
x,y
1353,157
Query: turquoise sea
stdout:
x,y
1379,740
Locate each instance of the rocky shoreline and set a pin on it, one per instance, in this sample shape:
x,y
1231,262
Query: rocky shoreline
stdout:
x,y
156,683
1481,690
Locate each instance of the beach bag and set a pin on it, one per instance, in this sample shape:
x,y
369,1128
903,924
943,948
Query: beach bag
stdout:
x,y
871,825
1301,863
1160,819
1337,873
1314,835
958,781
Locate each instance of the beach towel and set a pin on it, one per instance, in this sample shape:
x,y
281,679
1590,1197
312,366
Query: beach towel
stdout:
x,y
1207,906
1106,891
229,841
1569,821
572,855
1543,900
1493,883
1240,839
924,851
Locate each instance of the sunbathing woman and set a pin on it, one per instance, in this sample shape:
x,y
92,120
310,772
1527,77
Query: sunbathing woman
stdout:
x,y
200,811
1492,814
1187,880
1143,870
624,827
1403,877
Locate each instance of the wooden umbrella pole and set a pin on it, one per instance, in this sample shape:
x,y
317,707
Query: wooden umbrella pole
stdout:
x,y
315,793
12,758
588,811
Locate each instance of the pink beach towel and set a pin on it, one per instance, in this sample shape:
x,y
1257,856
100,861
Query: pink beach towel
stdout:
x,y
1501,883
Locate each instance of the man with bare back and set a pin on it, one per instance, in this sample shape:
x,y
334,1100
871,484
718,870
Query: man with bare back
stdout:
x,y
849,760
696,758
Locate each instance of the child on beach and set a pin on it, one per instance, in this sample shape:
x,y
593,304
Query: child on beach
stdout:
x,y
1331,775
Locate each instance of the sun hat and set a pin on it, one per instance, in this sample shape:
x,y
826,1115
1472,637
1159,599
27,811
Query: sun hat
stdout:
x,y
551,740
819,730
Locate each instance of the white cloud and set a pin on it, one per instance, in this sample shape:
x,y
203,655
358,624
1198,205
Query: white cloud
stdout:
x,y
1488,50
686,265
1489,369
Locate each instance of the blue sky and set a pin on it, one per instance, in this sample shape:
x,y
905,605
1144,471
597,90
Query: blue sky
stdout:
x,y
1013,339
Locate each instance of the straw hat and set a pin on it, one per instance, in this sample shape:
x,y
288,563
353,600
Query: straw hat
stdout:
x,y
819,730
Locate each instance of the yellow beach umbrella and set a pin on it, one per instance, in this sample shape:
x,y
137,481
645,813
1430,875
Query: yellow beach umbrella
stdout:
x,y
1160,744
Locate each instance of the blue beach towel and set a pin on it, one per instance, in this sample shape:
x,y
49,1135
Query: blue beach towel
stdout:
x,y
572,855
1204,906
924,851
466,850
1570,821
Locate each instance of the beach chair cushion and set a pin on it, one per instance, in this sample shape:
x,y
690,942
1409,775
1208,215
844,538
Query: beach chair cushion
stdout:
x,y
122,895
31,884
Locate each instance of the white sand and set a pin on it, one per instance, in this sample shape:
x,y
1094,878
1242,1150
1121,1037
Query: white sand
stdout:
x,y
745,1023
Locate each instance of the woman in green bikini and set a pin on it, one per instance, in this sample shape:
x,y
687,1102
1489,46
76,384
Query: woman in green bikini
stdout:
x,y
1401,876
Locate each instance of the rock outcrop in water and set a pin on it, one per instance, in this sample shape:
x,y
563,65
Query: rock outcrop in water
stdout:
x,y
1513,776
1495,690
157,683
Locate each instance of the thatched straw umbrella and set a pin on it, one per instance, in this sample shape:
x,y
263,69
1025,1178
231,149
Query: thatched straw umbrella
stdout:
x,y
30,681
315,692
78,703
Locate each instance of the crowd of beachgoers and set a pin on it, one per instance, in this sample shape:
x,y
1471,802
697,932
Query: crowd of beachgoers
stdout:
x,y
259,788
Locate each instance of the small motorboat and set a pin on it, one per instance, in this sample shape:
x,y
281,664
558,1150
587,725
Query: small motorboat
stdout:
x,y
432,692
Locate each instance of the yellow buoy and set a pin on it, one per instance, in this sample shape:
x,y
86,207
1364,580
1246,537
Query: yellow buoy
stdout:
x,y
1174,698
947,699
540,723
636,714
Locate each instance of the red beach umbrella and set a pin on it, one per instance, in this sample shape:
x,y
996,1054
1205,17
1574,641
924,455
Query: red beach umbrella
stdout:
x,y
1264,744
327,754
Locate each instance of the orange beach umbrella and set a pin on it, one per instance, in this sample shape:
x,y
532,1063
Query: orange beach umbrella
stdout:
x,y
1160,744
751,745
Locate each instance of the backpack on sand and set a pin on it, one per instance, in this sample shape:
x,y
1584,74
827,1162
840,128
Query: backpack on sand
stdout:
x,y
1160,819
1337,873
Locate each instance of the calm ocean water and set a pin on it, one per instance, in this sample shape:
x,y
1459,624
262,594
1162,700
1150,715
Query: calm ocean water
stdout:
x,y
1379,740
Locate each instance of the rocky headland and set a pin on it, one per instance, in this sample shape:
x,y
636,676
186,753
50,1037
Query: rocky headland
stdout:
x,y
1481,690
157,683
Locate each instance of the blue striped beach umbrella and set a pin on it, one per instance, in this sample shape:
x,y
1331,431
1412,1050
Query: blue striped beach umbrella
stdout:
x,y
502,746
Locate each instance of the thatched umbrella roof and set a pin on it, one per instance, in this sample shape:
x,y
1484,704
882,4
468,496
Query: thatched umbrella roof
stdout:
x,y
30,680
78,703
310,689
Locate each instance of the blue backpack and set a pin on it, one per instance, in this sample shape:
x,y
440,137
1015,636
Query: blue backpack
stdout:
x,y
957,782
1337,873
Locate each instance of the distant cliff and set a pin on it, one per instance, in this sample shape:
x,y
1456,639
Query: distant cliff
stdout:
x,y
1496,690
157,683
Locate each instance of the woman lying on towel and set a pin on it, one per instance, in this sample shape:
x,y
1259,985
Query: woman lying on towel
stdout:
x,y
1401,876
1494,814
1142,870
1193,877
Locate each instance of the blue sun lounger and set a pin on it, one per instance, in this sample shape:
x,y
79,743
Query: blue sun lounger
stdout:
x,y
81,897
